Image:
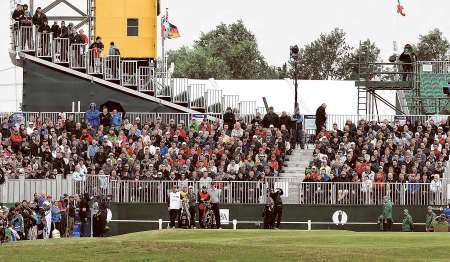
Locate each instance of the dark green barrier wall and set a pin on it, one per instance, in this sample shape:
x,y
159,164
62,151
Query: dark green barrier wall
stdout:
x,y
291,213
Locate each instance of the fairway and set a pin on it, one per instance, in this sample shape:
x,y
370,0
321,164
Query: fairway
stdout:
x,y
242,245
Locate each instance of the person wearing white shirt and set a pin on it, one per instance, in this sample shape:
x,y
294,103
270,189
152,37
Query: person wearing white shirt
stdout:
x,y
435,188
78,175
174,205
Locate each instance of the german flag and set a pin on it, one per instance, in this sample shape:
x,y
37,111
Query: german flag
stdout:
x,y
173,32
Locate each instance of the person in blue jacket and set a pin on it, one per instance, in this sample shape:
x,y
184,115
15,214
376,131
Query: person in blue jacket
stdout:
x,y
116,120
93,116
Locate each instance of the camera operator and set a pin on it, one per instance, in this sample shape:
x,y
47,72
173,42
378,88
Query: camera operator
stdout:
x,y
278,207
85,216
100,217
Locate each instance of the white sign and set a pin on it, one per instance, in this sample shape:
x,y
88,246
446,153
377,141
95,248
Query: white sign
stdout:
x,y
284,186
340,217
427,68
224,216
198,117
310,122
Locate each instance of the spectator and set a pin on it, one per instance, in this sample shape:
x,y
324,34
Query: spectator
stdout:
x,y
407,223
229,118
18,14
429,219
387,214
56,30
93,116
64,30
82,38
97,45
321,118
113,50
407,58
271,119
40,19
105,118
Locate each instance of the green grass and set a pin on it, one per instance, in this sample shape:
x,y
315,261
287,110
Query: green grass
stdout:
x,y
241,245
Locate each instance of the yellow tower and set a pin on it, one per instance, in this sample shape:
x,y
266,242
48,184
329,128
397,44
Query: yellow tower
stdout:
x,y
130,24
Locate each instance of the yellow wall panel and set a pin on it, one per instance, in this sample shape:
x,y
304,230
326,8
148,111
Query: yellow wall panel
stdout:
x,y
111,24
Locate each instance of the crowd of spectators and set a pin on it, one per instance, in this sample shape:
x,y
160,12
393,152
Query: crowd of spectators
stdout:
x,y
44,218
381,152
129,149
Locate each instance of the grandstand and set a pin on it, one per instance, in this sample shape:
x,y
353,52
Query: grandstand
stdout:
x,y
121,128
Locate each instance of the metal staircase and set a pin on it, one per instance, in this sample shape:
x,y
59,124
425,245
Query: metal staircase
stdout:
x,y
146,77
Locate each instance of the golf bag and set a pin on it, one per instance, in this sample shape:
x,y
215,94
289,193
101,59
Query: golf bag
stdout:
x,y
210,219
184,217
268,216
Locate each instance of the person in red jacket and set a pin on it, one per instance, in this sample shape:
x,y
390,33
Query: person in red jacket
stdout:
x,y
16,140
203,198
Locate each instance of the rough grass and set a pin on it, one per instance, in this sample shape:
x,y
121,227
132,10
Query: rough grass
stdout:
x,y
241,245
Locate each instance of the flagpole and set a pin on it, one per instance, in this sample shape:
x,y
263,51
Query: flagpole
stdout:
x,y
164,66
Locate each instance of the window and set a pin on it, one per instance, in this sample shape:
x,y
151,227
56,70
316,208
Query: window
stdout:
x,y
132,27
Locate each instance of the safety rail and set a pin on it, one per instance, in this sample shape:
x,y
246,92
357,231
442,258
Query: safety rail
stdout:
x,y
197,95
112,68
94,62
162,87
129,73
25,38
435,67
180,90
77,56
44,45
237,192
145,79
214,101
230,101
61,47
361,193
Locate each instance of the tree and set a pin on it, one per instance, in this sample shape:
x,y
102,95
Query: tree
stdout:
x,y
367,52
432,46
326,58
227,52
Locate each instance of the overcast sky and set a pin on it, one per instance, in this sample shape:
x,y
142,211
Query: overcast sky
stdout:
x,y
279,24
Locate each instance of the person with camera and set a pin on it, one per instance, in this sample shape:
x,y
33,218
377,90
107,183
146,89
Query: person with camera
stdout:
x,y
85,216
277,207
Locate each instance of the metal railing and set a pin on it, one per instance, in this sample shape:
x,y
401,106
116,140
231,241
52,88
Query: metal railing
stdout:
x,y
77,56
129,73
44,45
409,194
197,95
25,38
180,90
112,68
255,192
435,67
214,101
145,79
61,50
94,62
231,101
232,192
15,190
